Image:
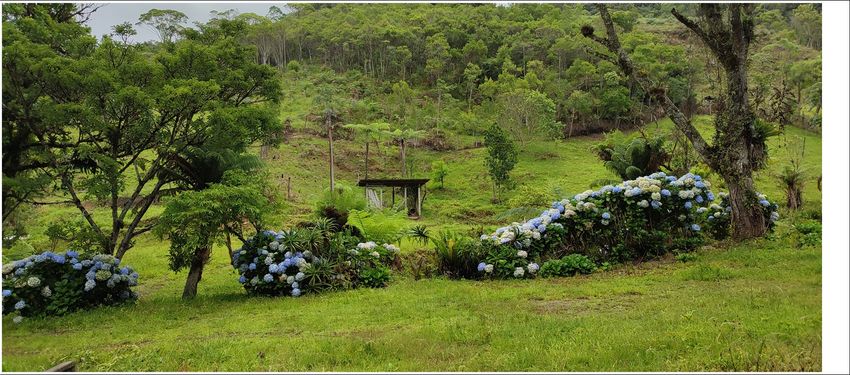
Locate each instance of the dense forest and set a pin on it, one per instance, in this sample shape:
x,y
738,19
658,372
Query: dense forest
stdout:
x,y
528,65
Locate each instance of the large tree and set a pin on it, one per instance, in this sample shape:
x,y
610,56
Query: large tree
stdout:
x,y
123,123
738,148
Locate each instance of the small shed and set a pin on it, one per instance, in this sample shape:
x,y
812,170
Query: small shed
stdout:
x,y
408,189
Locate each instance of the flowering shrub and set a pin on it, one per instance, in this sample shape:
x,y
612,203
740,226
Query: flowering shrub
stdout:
x,y
57,283
271,263
639,218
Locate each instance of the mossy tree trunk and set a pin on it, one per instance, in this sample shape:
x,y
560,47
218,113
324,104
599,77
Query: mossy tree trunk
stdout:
x,y
196,269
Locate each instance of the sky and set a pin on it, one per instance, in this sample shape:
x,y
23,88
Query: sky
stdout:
x,y
112,14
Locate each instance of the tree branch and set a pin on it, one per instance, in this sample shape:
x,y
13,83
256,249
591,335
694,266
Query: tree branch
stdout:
x,y
627,66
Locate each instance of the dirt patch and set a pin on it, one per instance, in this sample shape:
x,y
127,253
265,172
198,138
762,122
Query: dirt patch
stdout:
x,y
587,304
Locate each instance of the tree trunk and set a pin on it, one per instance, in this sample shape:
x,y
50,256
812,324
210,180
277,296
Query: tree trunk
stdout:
x,y
366,171
747,216
196,269
331,150
403,159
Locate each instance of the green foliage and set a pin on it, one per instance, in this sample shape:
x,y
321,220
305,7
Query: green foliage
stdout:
x,y
337,204
630,157
531,196
75,234
569,265
193,220
809,232
420,234
501,157
439,171
457,255
419,264
686,257
374,277
380,226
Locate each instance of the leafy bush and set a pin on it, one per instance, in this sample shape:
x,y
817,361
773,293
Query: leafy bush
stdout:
x,y
630,157
636,219
810,232
686,257
58,283
419,264
336,205
530,196
456,254
569,265
286,263
381,226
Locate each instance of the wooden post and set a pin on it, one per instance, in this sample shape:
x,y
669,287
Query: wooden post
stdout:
x,y
289,188
419,201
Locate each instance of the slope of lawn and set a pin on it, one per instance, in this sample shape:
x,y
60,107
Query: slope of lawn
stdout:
x,y
746,306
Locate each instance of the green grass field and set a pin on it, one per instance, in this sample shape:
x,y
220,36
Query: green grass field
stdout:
x,y
746,306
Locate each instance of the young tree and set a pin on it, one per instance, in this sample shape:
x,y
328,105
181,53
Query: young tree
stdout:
x,y
471,76
439,171
370,133
738,149
194,220
501,157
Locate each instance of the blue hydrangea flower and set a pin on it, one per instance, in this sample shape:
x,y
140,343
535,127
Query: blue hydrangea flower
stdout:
x,y
606,215
699,199
98,265
616,190
710,196
252,266
125,271
242,279
90,275
688,205
295,285
273,268
480,269
20,305
695,227
71,254
19,272
665,192
764,202
7,292
699,183
655,204
77,266
541,228
59,259
296,292
268,278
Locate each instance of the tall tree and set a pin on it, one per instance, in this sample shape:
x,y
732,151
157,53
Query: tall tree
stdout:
x,y
133,121
166,22
738,148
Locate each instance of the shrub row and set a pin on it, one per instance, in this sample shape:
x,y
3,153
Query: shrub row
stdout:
x,y
637,219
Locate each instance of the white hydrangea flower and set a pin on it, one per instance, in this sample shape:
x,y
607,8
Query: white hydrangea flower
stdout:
x,y
643,203
522,254
519,272
656,196
488,268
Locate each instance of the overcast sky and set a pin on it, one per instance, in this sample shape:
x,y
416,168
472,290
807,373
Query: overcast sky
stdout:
x,y
112,14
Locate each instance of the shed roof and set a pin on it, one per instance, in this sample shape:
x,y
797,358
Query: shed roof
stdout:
x,y
393,182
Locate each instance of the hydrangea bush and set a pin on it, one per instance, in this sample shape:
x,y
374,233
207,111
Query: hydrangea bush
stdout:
x,y
272,263
57,283
635,219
